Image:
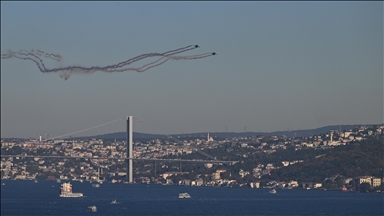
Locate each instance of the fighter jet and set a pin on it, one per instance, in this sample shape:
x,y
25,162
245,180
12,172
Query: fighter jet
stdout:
x,y
213,53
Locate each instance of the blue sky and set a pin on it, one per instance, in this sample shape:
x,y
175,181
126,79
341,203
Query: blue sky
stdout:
x,y
280,66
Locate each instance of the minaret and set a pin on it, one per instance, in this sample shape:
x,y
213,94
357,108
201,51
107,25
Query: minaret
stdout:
x,y
208,138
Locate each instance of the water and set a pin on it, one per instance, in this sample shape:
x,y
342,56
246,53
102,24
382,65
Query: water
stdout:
x,y
42,198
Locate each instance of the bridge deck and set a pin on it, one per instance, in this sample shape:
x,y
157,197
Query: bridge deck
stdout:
x,y
113,158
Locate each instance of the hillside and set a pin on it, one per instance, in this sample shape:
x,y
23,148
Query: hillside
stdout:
x,y
356,159
229,135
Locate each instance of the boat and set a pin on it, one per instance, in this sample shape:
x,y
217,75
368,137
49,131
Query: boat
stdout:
x,y
35,181
92,209
95,185
66,191
344,189
273,191
184,195
114,202
58,180
3,184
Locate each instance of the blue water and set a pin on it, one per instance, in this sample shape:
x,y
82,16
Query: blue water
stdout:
x,y
42,198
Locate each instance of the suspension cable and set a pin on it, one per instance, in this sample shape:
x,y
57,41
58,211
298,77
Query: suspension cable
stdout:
x,y
80,131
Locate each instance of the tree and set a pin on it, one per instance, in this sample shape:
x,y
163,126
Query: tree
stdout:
x,y
32,168
365,187
16,150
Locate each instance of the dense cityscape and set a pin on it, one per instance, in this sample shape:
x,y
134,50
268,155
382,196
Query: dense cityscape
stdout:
x,y
103,161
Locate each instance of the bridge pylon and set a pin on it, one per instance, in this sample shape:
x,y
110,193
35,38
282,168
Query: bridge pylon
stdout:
x,y
129,160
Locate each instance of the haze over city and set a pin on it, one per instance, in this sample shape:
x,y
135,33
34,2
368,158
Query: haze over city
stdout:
x,y
279,66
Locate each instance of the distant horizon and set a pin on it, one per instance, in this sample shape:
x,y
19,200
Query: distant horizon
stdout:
x,y
268,131
163,134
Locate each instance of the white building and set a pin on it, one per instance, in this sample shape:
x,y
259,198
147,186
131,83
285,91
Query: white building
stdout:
x,y
209,138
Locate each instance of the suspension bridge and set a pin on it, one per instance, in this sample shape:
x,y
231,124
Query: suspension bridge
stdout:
x,y
116,158
129,150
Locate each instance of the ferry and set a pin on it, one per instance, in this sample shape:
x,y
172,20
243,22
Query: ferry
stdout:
x,y
66,191
184,195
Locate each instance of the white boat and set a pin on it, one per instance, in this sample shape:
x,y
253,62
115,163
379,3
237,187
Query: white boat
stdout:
x,y
273,191
114,202
184,195
3,184
95,185
92,209
35,181
66,191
